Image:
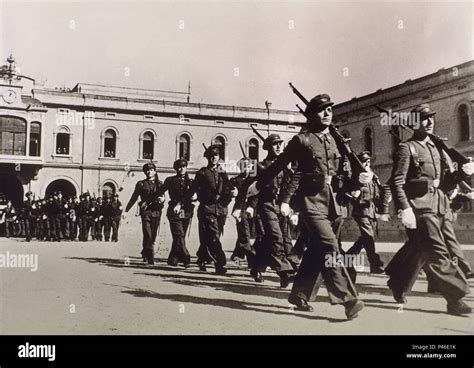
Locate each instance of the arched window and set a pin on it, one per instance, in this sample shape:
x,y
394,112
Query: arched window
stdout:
x,y
35,139
148,144
220,141
184,146
464,123
110,143
368,140
13,136
63,141
253,149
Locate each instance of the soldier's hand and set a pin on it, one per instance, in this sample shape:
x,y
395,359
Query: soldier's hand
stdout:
x,y
234,192
161,199
194,197
294,219
470,195
252,191
408,218
385,217
453,194
236,214
366,177
249,211
355,193
285,209
177,208
468,168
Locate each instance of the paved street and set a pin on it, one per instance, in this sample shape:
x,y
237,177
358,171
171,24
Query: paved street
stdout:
x,y
93,288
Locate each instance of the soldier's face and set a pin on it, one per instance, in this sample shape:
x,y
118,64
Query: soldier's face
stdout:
x,y
214,159
427,125
276,148
366,164
182,170
324,117
150,173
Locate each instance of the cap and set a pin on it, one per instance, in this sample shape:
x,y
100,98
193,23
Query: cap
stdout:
x,y
271,140
424,111
180,163
213,149
148,166
364,156
318,103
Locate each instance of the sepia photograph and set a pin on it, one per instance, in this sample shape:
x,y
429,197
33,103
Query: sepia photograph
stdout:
x,y
236,168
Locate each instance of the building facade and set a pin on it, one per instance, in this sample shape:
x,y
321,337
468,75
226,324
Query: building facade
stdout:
x,y
96,138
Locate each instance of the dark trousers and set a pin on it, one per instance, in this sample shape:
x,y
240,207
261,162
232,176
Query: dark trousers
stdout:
x,y
72,226
243,247
98,227
9,231
366,240
272,251
150,227
210,248
454,248
110,223
426,249
323,245
84,227
28,224
179,252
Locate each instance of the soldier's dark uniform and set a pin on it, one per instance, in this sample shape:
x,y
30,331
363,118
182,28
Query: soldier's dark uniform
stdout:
x,y
9,216
97,219
45,221
213,191
84,217
38,225
318,180
364,213
178,187
243,247
117,206
419,181
27,215
55,219
71,218
147,190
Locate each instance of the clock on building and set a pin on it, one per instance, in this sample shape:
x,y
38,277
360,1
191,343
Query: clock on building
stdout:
x,y
9,96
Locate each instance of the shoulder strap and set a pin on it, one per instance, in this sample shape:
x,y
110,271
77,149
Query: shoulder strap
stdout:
x,y
414,153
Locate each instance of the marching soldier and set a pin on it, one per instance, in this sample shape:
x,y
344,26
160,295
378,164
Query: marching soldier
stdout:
x,y
271,251
97,219
318,180
117,206
150,208
71,217
27,213
9,217
243,212
214,193
366,198
419,182
180,212
84,216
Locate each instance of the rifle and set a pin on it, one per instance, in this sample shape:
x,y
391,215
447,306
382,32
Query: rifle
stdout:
x,y
342,142
243,151
257,133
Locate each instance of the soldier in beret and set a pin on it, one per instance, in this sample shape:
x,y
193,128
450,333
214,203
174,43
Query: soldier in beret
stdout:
x,y
150,209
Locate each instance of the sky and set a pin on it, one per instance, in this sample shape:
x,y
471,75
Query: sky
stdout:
x,y
237,53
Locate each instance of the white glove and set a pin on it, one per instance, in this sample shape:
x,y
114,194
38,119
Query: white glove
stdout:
x,y
177,208
470,195
194,197
366,177
408,218
294,219
252,191
385,217
453,194
285,209
249,211
101,217
161,199
468,168
234,192
236,214
355,193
